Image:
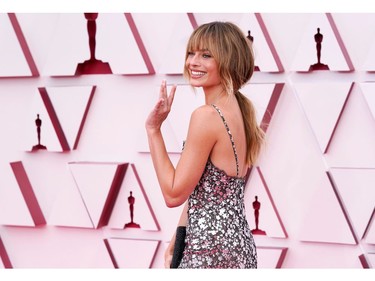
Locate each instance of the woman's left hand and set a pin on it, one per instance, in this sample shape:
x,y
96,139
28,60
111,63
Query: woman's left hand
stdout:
x,y
162,108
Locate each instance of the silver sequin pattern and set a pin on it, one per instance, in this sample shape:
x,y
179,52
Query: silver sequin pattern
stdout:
x,y
217,232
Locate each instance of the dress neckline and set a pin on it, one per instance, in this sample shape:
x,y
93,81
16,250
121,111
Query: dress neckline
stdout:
x,y
209,161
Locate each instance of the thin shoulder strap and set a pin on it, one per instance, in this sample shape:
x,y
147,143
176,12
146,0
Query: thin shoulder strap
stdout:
x,y
230,136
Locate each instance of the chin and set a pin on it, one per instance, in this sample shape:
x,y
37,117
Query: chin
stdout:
x,y
195,83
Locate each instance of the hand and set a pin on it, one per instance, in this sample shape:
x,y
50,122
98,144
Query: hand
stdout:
x,y
161,109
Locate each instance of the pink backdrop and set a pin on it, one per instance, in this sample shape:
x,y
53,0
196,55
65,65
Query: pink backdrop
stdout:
x,y
66,207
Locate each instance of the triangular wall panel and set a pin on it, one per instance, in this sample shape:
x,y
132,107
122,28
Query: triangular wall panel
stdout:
x,y
143,215
4,257
131,253
323,104
63,112
12,55
333,51
71,106
352,144
358,195
325,220
28,193
370,235
269,218
272,257
69,209
368,90
371,258
369,62
68,45
120,46
13,205
56,248
99,185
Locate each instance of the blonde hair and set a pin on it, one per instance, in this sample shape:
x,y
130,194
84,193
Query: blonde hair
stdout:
x,y
234,56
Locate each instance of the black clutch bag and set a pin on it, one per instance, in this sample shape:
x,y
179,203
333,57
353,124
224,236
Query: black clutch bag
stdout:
x,y
179,246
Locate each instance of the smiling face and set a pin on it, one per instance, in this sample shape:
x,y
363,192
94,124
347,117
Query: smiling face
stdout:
x,y
202,69
221,46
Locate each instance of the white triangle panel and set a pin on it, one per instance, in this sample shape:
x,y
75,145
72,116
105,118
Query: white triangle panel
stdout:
x,y
94,181
117,46
331,51
324,220
4,258
133,253
57,248
370,235
70,105
68,45
368,90
14,210
39,42
63,42
371,258
358,195
69,209
270,257
352,143
323,104
369,62
12,58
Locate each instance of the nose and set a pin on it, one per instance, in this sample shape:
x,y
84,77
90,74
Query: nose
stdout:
x,y
193,59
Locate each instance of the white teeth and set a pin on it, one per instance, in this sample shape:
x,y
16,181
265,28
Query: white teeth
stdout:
x,y
197,73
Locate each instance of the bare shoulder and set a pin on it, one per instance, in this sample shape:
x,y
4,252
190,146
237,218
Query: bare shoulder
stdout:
x,y
204,120
204,112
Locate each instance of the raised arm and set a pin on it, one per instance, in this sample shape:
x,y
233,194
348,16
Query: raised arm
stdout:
x,y
178,183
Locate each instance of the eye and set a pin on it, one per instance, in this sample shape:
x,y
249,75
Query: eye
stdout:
x,y
206,55
190,54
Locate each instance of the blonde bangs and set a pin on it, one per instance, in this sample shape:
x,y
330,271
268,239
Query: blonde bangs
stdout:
x,y
202,39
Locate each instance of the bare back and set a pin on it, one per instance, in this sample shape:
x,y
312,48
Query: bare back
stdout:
x,y
229,118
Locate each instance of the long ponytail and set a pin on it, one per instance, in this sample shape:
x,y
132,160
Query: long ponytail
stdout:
x,y
254,134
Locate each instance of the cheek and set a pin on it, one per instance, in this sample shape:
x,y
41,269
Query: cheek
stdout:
x,y
187,63
186,68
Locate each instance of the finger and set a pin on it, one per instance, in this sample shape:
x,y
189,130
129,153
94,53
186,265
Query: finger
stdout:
x,y
159,104
163,90
171,95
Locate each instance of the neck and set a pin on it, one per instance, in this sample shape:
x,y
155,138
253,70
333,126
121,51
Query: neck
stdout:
x,y
214,94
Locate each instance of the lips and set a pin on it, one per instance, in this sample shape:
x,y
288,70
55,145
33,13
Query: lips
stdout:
x,y
197,74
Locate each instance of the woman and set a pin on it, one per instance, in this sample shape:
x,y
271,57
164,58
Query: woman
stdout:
x,y
223,140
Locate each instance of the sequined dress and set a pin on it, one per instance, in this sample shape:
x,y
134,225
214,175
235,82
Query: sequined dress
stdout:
x,y
217,232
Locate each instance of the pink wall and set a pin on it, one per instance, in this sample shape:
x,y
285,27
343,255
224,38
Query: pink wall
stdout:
x,y
66,207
